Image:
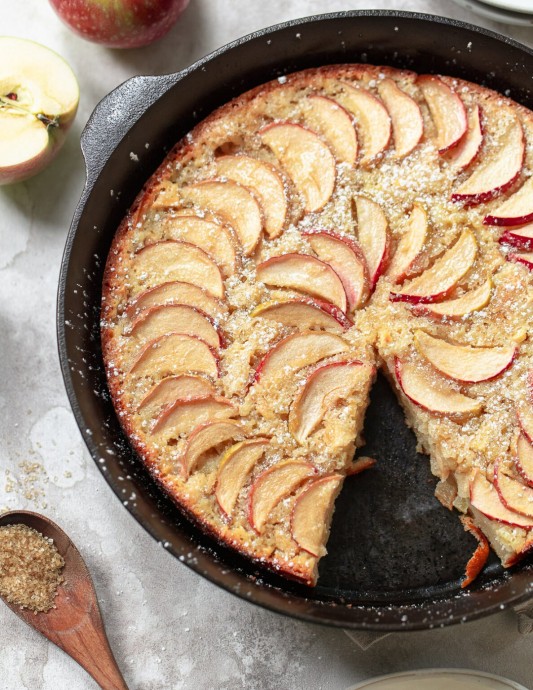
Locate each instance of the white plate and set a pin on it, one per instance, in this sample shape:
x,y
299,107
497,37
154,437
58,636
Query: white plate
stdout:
x,y
497,14
439,679
513,5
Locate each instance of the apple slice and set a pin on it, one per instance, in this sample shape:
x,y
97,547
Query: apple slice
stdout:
x,y
410,245
272,485
264,182
407,122
519,237
174,354
447,111
306,159
463,362
345,257
297,351
479,558
525,419
524,459
436,282
525,258
312,512
360,465
462,155
514,495
485,498
214,238
517,210
333,122
372,118
184,415
304,314
177,292
434,397
457,309
322,390
233,203
499,169
373,236
234,469
170,389
174,318
171,260
304,273
205,437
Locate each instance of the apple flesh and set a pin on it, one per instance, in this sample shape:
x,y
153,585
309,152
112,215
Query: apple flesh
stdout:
x,y
170,389
120,23
485,498
205,437
373,236
177,292
517,210
407,122
447,111
333,122
39,98
456,309
174,318
525,258
304,314
525,419
465,153
184,414
514,495
410,244
522,238
524,459
175,353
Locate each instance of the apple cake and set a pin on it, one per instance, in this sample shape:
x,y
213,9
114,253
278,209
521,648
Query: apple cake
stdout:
x,y
315,229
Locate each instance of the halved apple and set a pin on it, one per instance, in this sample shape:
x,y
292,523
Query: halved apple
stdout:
x,y
265,183
272,485
234,469
333,122
174,354
233,203
207,436
525,258
436,282
525,419
447,111
322,390
499,169
170,389
304,273
407,122
458,308
434,396
373,236
177,292
519,237
410,245
184,415
372,119
311,515
306,159
485,498
304,314
297,351
172,260
517,210
39,97
524,459
463,362
462,155
514,495
345,257
174,318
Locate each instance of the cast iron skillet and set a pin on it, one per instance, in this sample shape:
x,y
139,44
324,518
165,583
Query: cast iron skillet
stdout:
x,y
396,557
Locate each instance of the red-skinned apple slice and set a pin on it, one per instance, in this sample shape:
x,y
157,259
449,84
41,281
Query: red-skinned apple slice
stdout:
x,y
458,308
234,469
407,122
463,362
304,314
264,182
373,236
525,258
345,257
297,351
524,459
311,515
499,168
178,292
174,318
522,238
304,273
205,437
465,153
447,111
175,353
272,485
234,203
306,159
333,122
436,282
360,465
517,210
434,397
170,389
410,244
485,498
525,419
372,119
514,495
323,389
184,415
172,260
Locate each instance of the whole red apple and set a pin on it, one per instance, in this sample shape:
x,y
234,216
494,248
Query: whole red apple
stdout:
x,y
120,23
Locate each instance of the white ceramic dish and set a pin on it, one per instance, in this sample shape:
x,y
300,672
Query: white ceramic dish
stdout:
x,y
439,679
525,6
497,14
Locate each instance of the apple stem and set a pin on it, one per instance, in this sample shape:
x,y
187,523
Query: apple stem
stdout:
x,y
9,102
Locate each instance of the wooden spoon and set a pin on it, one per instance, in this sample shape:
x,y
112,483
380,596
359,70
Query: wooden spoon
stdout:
x,y
75,625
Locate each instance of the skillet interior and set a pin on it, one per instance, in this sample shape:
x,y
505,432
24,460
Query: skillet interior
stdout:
x,y
396,556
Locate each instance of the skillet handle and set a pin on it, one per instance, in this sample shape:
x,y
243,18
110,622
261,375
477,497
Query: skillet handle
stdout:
x,y
114,116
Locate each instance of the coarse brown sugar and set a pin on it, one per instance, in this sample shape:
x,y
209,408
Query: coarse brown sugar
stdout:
x,y
30,568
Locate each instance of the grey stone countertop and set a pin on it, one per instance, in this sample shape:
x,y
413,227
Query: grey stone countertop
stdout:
x,y
169,628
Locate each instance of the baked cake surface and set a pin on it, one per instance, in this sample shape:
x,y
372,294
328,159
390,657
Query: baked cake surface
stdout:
x,y
305,234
